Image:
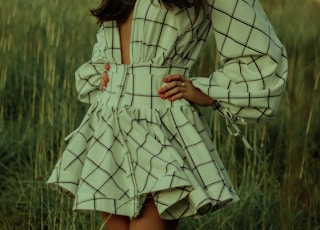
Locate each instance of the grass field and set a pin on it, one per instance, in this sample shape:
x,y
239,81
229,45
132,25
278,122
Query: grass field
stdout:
x,y
41,45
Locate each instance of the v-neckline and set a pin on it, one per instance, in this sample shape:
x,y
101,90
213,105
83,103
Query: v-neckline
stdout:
x,y
118,36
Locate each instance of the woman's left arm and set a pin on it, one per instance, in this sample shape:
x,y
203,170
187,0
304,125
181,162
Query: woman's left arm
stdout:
x,y
178,87
253,61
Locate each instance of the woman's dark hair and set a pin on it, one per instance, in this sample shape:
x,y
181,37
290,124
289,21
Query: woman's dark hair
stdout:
x,y
119,10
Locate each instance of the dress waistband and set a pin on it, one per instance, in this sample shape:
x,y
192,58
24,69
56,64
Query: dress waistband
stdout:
x,y
137,85
148,69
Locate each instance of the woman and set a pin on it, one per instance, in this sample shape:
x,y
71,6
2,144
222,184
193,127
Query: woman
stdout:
x,y
143,154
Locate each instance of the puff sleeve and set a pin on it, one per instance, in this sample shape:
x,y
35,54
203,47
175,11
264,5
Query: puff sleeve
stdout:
x,y
249,85
88,75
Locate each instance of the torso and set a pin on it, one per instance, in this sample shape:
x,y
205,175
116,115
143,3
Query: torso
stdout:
x,y
125,34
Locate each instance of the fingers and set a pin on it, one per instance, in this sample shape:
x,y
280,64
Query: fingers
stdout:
x,y
176,96
176,87
105,77
173,82
174,77
104,81
172,93
171,86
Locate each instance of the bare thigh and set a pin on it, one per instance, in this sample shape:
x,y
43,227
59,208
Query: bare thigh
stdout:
x,y
150,219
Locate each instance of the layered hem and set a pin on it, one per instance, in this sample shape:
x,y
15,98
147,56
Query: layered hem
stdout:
x,y
173,200
129,145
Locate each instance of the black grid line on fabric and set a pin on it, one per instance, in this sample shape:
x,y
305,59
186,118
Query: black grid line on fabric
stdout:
x,y
61,182
114,49
269,97
110,177
197,166
161,23
96,199
162,26
260,73
87,78
229,26
143,121
262,77
233,17
208,185
249,99
270,40
190,21
202,131
117,137
115,207
151,173
280,75
125,139
76,154
242,75
187,150
198,115
193,144
96,140
76,158
263,113
241,44
162,203
133,88
145,17
151,98
93,109
133,25
175,176
125,195
156,46
228,97
142,146
245,45
172,136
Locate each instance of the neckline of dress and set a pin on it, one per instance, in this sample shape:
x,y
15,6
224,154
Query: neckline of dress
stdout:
x,y
117,31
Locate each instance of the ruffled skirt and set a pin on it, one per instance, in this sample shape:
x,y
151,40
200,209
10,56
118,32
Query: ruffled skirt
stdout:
x,y
131,144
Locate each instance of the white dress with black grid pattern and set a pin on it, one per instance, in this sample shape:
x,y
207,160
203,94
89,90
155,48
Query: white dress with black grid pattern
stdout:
x,y
131,142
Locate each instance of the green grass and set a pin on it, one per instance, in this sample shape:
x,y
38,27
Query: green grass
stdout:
x,y
41,45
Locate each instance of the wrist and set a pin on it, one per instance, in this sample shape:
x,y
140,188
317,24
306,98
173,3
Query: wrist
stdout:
x,y
215,104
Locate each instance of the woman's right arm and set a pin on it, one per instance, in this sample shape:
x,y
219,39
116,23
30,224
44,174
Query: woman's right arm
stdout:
x,y
88,76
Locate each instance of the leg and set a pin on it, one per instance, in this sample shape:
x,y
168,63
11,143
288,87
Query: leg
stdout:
x,y
150,219
115,222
